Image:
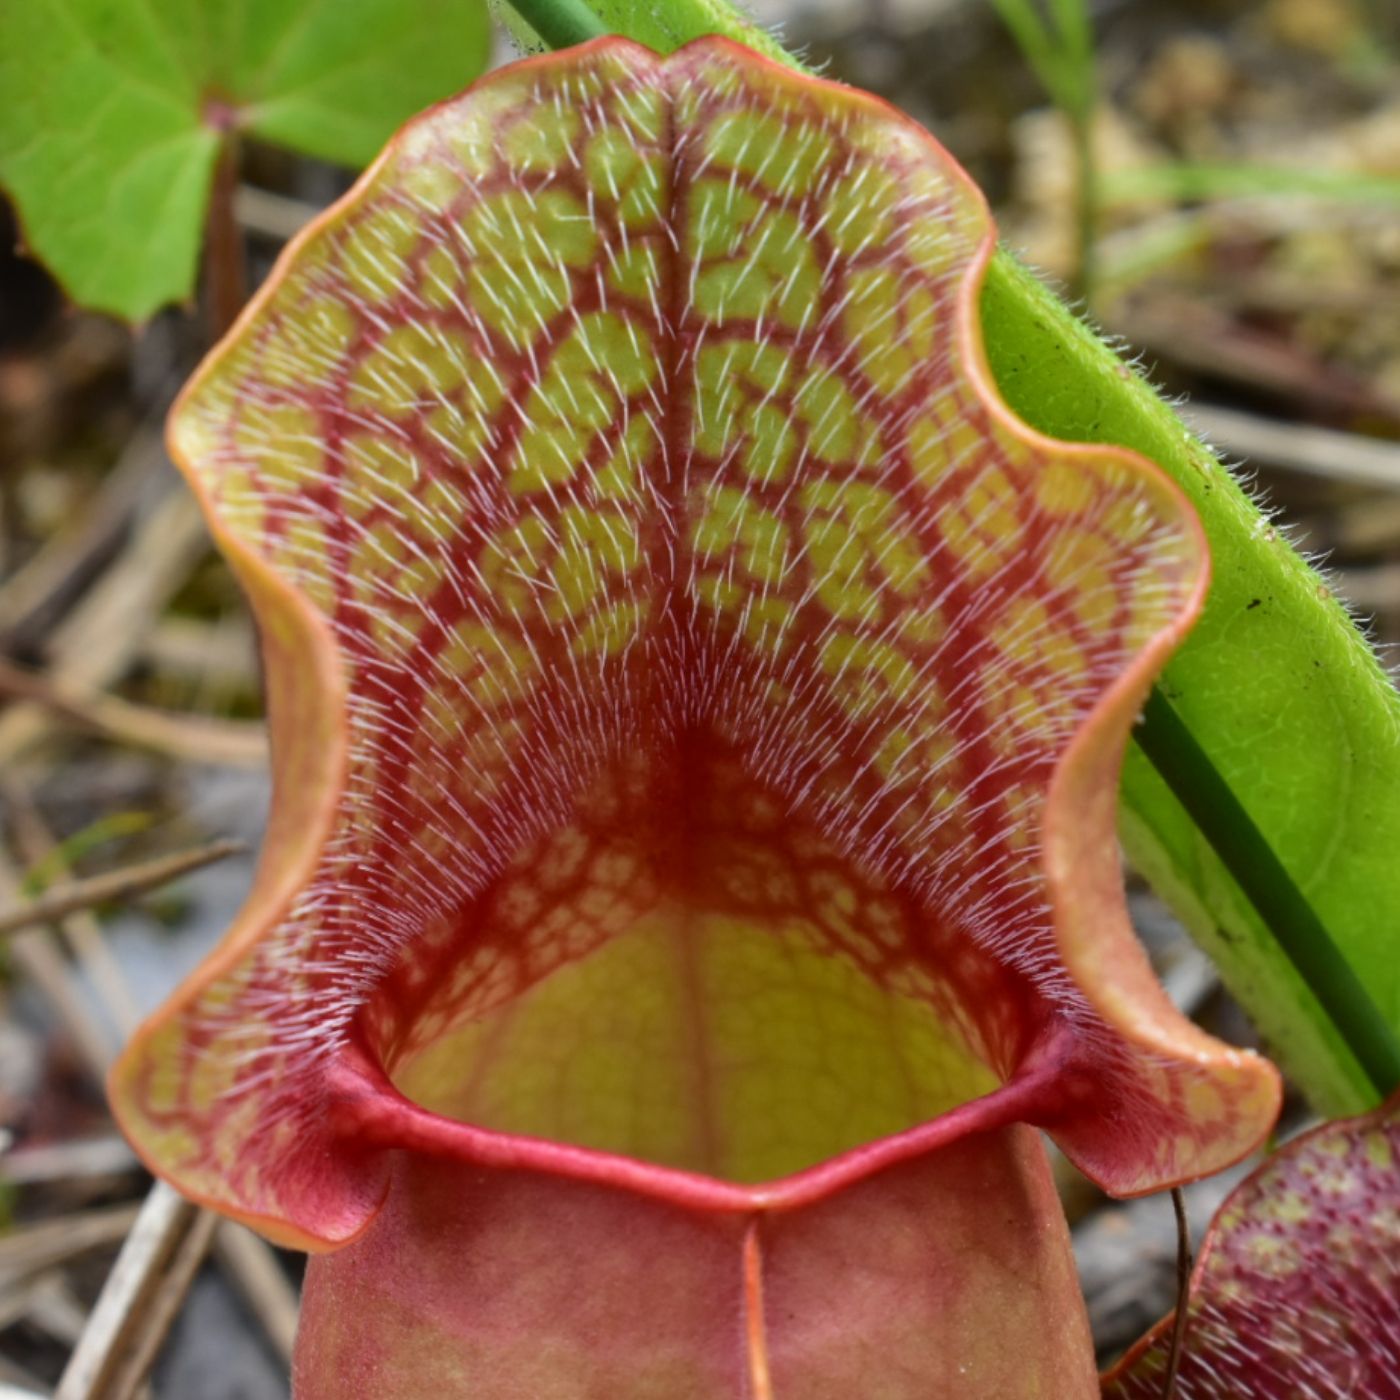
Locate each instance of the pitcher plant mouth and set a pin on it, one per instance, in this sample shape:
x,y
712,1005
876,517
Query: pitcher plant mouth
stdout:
x,y
377,1113
697,701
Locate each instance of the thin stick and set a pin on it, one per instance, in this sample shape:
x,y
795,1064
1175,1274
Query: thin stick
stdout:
x,y
35,952
1300,447
51,1305
275,216
139,1299
164,1304
9,1391
222,654
95,642
238,743
31,1249
37,848
250,1263
1183,1292
79,1159
74,552
114,884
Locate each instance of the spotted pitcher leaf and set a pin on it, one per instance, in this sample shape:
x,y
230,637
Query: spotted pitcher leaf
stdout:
x,y
697,704
1297,1290
114,115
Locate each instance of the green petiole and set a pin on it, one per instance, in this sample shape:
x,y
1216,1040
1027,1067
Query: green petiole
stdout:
x,y
561,23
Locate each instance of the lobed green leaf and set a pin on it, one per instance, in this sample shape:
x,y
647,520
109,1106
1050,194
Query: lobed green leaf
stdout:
x,y
114,113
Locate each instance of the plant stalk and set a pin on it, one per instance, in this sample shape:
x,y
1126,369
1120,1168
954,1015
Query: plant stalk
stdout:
x,y
225,269
1243,850
561,23
1086,204
1183,1293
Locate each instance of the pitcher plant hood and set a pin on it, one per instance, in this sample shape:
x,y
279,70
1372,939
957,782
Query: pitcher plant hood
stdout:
x,y
696,700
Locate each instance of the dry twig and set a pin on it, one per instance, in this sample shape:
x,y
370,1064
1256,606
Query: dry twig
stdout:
x,y
275,216
249,1261
31,593
75,895
97,639
1300,447
32,1249
10,1391
199,738
80,929
253,1266
140,1298
80,1159
35,952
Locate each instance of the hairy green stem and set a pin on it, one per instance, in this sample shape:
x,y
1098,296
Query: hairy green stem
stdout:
x,y
1294,923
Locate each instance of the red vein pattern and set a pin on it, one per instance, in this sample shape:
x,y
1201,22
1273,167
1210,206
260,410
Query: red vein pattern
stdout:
x,y
697,700
1296,1295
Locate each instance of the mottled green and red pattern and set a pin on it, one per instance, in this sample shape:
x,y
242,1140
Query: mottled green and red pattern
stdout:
x,y
697,705
1296,1295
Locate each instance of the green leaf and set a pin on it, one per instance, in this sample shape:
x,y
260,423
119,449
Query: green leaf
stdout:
x,y
113,114
1060,51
